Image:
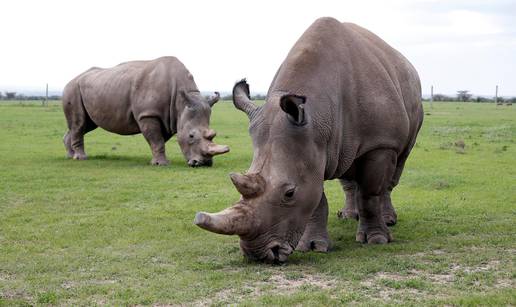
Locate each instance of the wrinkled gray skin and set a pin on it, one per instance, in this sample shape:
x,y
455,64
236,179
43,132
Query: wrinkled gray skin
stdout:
x,y
157,98
343,105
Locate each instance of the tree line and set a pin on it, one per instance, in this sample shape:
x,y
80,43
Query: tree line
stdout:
x,y
467,96
461,96
16,96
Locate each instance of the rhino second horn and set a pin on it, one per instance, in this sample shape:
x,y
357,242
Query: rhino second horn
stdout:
x,y
214,99
226,222
249,185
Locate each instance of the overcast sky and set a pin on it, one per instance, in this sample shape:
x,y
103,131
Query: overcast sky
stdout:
x,y
454,45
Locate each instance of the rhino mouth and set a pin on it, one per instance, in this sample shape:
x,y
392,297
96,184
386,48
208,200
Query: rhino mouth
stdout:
x,y
274,253
198,163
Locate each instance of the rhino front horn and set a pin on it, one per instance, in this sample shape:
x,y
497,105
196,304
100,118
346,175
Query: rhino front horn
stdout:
x,y
214,149
231,221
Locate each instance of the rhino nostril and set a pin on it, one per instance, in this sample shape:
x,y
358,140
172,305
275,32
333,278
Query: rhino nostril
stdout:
x,y
193,162
275,250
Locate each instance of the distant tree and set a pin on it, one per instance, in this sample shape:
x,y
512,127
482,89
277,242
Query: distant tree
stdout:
x,y
463,95
259,97
10,95
1,96
442,97
227,97
483,99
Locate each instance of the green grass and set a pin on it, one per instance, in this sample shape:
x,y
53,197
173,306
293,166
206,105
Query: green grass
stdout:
x,y
114,230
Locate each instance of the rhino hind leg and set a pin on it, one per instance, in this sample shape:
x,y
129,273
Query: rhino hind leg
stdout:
x,y
374,174
350,210
315,236
77,139
389,214
79,123
67,140
152,131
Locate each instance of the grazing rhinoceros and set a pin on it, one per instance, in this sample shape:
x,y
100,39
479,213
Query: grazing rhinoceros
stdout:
x,y
344,105
157,98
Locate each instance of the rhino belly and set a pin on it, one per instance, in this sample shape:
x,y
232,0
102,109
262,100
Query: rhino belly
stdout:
x,y
112,115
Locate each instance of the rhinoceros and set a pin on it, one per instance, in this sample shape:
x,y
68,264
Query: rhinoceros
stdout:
x,y
157,98
343,105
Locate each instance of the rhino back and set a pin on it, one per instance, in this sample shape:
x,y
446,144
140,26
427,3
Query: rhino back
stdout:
x,y
361,93
115,98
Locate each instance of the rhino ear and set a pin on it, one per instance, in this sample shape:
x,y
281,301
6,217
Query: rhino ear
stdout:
x,y
294,106
191,98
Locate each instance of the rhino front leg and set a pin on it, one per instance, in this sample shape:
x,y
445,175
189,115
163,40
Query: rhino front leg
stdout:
x,y
350,210
151,130
316,236
375,171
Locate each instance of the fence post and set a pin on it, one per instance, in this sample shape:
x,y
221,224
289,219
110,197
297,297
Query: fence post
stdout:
x,y
45,102
496,97
431,97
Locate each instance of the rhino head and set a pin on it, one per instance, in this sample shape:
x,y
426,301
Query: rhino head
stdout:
x,y
284,184
193,133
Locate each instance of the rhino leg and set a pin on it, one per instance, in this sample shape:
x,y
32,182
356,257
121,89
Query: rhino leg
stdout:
x,y
67,140
151,130
316,236
81,124
375,171
350,210
389,214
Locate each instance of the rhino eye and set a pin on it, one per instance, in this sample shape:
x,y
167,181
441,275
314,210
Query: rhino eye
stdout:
x,y
290,193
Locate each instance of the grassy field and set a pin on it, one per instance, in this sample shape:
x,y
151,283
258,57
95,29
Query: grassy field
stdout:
x,y
114,230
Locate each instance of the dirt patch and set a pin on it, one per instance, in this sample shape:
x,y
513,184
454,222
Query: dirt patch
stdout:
x,y
278,283
504,283
15,295
284,284
441,278
5,276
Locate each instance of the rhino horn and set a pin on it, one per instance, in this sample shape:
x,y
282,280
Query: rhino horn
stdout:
x,y
249,185
214,99
242,98
215,149
234,220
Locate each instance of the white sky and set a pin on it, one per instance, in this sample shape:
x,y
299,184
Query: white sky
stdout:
x,y
453,44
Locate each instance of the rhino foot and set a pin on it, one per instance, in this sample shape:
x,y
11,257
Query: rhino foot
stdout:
x,y
373,235
79,156
389,219
70,154
320,244
161,162
347,214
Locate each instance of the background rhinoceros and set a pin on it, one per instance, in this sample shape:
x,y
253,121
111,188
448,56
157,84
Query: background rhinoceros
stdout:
x,y
344,104
157,98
